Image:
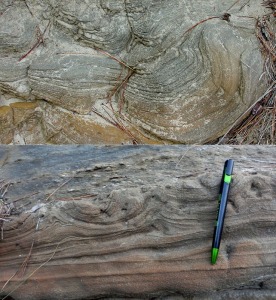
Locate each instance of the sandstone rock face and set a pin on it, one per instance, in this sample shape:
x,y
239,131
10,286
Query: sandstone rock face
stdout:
x,y
167,77
136,222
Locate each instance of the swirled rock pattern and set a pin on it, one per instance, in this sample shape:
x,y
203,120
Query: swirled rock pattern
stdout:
x,y
136,222
180,71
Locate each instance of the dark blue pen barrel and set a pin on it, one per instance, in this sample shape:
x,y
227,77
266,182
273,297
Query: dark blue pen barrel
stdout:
x,y
220,217
223,196
229,165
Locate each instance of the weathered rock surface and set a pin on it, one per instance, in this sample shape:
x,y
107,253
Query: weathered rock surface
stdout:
x,y
136,222
173,83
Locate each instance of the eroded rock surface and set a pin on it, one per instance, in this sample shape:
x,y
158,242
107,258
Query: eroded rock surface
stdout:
x,y
136,222
167,77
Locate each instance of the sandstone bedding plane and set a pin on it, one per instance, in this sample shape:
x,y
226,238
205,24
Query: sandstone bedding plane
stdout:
x,y
121,71
135,222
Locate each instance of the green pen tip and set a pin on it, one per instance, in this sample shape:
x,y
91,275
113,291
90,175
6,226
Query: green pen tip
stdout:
x,y
214,255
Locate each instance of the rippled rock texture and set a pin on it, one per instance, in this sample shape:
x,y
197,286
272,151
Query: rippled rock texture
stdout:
x,y
136,222
164,76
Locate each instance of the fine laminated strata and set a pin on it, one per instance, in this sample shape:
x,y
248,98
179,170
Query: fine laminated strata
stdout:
x,y
180,71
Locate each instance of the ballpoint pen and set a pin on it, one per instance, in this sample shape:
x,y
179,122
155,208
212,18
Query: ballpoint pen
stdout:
x,y
223,196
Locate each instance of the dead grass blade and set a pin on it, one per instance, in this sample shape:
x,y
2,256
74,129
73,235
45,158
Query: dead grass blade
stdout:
x,y
257,124
32,273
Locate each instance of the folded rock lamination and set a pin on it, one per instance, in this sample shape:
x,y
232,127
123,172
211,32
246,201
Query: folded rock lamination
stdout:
x,y
183,71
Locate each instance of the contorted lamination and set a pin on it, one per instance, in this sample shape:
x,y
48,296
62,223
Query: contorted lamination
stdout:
x,y
181,71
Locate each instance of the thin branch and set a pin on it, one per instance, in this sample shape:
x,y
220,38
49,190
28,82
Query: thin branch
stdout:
x,y
23,281
233,5
22,269
200,22
246,112
113,57
59,187
39,41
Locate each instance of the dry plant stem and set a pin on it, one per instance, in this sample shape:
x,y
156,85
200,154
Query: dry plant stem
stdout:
x,y
266,45
118,121
273,131
116,87
5,209
77,198
39,41
200,22
5,187
8,7
25,262
251,125
124,85
59,187
270,4
253,121
233,5
115,121
185,152
28,8
260,125
125,119
261,128
246,112
113,57
95,111
21,271
244,5
24,280
264,128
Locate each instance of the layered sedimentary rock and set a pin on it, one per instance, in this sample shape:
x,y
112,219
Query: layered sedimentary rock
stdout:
x,y
180,71
135,222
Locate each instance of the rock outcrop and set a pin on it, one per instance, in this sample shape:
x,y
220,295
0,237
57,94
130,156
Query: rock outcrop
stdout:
x,y
135,222
177,71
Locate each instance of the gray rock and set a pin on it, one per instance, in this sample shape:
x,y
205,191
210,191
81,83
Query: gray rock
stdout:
x,y
180,71
74,82
18,28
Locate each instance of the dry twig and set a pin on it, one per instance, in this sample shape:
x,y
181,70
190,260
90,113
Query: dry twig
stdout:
x,y
5,209
21,271
115,119
39,267
257,124
40,40
59,187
